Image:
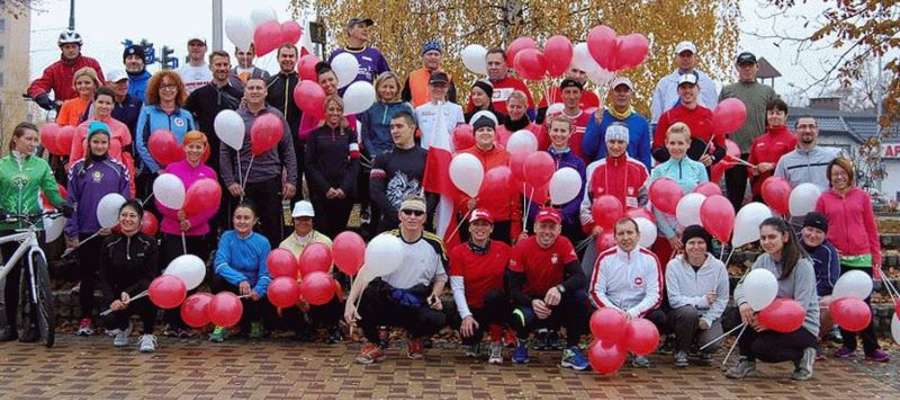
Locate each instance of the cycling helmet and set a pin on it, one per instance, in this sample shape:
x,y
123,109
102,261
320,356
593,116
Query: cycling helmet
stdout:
x,y
69,37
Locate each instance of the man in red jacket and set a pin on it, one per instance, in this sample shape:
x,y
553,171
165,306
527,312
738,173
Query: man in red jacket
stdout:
x,y
697,117
58,77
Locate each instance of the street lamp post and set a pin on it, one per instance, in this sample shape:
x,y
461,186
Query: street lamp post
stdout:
x,y
71,15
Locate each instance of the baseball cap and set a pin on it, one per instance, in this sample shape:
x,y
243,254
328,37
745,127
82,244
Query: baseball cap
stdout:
x,y
116,75
816,220
438,77
196,38
303,208
746,58
685,46
621,81
480,214
354,21
567,83
548,214
690,78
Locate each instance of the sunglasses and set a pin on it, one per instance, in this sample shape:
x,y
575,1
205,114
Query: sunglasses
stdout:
x,y
413,212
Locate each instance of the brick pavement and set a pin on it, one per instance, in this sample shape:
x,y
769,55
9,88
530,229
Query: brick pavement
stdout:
x,y
90,368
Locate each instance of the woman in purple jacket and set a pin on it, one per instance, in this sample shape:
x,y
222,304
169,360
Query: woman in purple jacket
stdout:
x,y
90,179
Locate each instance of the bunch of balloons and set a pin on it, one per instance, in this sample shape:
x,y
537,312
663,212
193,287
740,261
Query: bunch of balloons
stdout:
x,y
615,336
56,139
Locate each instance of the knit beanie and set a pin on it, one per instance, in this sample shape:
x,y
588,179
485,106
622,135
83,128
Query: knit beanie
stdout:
x,y
486,87
617,131
696,231
96,127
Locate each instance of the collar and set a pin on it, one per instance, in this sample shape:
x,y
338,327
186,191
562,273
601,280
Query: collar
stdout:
x,y
19,156
616,160
628,255
478,249
554,152
779,130
807,151
517,125
620,116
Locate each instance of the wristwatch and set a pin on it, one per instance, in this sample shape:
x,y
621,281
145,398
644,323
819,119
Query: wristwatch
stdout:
x,y
561,288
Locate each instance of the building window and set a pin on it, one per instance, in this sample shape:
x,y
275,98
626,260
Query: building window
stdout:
x,y
2,25
1,79
2,51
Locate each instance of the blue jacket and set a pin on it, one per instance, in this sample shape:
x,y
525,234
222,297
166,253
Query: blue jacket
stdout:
x,y
153,118
137,85
376,126
244,259
687,174
571,210
827,265
87,185
594,143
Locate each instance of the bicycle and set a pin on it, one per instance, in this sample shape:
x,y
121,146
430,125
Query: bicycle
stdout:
x,y
35,291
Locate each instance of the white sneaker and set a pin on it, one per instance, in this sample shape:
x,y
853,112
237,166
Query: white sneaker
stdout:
x,y
496,353
121,338
148,343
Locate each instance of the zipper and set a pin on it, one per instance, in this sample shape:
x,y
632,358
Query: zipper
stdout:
x,y
128,248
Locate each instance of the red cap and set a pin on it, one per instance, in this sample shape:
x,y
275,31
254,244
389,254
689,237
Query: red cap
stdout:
x,y
481,214
548,214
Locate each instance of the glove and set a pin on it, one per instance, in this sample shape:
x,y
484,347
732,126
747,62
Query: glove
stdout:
x,y
67,210
43,100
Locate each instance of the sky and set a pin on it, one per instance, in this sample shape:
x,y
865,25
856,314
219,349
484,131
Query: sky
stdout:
x,y
169,22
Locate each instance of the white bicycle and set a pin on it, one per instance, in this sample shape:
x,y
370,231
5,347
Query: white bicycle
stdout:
x,y
36,296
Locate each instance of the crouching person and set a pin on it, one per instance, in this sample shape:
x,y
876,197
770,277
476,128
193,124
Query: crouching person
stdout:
x,y
408,297
697,286
547,287
127,266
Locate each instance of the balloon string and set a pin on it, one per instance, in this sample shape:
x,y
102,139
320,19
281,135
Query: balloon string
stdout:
x,y
731,350
183,242
459,225
721,336
527,209
729,257
150,196
240,174
135,297
244,184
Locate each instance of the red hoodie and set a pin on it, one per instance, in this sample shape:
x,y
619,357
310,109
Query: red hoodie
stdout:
x,y
851,223
622,177
776,142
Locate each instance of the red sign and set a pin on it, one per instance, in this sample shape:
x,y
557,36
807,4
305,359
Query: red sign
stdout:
x,y
890,150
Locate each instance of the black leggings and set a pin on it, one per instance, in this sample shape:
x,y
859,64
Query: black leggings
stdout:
x,y
869,339
378,308
172,248
140,307
736,183
266,197
494,311
770,346
571,313
331,214
88,254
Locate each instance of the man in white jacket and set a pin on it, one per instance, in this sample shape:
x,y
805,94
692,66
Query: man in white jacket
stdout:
x,y
627,278
697,287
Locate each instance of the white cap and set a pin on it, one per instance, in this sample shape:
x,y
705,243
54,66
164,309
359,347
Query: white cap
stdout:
x,y
685,46
196,37
116,75
303,208
621,80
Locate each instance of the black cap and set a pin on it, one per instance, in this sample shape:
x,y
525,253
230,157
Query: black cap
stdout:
x,y
134,49
567,83
695,231
746,58
483,120
816,220
355,21
438,77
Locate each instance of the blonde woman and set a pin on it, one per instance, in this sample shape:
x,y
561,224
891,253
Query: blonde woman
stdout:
x,y
85,82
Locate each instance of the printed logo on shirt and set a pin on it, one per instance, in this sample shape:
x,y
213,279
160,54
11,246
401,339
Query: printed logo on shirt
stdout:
x,y
501,94
179,122
639,281
631,202
554,259
97,176
367,58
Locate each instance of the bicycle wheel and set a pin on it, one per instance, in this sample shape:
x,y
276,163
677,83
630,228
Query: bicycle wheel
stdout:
x,y
45,313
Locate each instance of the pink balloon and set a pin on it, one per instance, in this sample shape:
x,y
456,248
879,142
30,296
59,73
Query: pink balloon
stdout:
x,y
851,314
49,134
518,45
265,133
167,291
204,194
349,250
531,64
602,45
463,137
608,325
64,139
606,358
642,337
291,32
558,54
317,288
316,257
225,309
606,210
665,193
606,241
717,216
640,213
267,37
283,292
732,149
776,193
783,315
708,189
164,147
195,310
633,49
310,97
307,70
729,115
281,262
539,168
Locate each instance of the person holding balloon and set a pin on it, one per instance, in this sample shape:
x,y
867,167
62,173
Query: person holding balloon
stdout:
x,y
240,268
706,146
85,82
127,264
620,110
854,233
796,280
826,263
90,180
120,137
768,148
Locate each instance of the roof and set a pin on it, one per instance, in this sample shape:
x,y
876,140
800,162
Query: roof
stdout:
x,y
766,70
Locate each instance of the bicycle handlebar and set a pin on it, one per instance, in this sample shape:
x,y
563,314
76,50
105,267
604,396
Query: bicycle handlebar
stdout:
x,y
31,218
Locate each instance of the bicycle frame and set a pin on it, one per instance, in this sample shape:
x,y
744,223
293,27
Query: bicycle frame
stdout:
x,y
28,242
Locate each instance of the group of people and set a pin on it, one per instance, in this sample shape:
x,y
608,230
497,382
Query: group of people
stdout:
x,y
507,274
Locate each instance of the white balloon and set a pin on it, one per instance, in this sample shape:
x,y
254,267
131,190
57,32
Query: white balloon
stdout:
x,y
600,76
688,209
581,58
384,254
803,199
230,128
239,31
522,141
555,109
190,268
169,190
466,173
108,209
760,288
346,67
564,185
262,15
648,232
53,228
747,221
474,58
358,97
895,328
854,283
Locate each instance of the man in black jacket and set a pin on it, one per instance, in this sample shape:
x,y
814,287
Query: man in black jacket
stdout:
x,y
280,94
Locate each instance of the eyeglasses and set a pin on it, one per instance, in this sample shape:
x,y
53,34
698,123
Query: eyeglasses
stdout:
x,y
413,212
169,86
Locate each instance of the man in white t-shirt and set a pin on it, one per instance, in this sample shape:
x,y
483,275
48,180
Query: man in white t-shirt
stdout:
x,y
196,73
438,116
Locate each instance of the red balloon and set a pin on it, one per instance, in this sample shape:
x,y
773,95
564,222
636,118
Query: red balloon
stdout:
x,y
717,216
609,325
265,133
267,37
732,149
195,310
642,337
538,195
49,134
776,192
606,210
633,49
225,309
531,64
64,139
167,291
310,97
606,241
291,32
349,250
307,70
516,46
558,54
602,44
149,224
203,195
783,315
463,137
283,292
729,116
606,358
539,168
316,257
708,189
517,165
281,262
664,194
317,288
497,186
851,314
164,148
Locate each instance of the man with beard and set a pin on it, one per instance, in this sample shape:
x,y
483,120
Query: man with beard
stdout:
x,y
809,161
